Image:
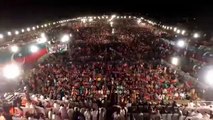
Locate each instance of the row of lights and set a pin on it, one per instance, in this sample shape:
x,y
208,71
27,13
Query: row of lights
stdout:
x,y
179,31
28,29
175,29
89,18
110,18
105,17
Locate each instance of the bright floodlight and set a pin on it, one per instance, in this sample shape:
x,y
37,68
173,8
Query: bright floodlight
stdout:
x,y
11,71
9,33
1,36
181,43
45,25
14,48
34,48
113,16
209,76
42,34
33,28
175,29
28,29
83,20
196,35
111,23
90,20
22,30
65,38
178,31
175,61
183,32
16,32
139,21
113,31
37,26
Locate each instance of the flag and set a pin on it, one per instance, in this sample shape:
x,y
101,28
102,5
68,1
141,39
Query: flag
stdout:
x,y
24,55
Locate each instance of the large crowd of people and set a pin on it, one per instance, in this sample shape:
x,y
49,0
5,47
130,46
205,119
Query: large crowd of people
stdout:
x,y
108,72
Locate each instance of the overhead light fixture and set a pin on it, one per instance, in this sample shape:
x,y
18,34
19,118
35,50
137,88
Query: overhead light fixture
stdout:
x,y
178,31
1,36
181,43
183,32
9,33
28,29
175,61
16,32
11,71
65,38
196,35
209,76
14,48
34,48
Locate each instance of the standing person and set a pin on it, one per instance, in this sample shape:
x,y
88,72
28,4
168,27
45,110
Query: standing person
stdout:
x,y
70,112
94,114
87,114
63,112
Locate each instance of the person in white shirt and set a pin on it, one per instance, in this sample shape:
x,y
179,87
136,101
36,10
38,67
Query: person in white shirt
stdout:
x,y
50,114
55,117
55,107
176,95
63,112
116,115
94,114
102,113
87,115
122,114
159,96
70,112
165,91
182,95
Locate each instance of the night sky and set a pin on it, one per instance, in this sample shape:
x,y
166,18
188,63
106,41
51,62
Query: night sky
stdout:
x,y
19,13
